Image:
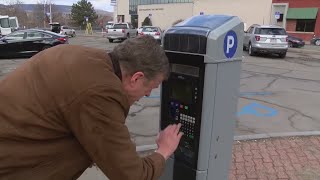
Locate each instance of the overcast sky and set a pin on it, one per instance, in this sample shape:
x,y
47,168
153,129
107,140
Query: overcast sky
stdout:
x,y
98,4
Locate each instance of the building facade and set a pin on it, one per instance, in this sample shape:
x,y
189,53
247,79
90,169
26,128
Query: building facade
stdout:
x,y
164,12
299,17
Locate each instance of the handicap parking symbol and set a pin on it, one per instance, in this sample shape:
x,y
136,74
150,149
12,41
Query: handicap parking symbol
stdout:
x,y
230,44
258,110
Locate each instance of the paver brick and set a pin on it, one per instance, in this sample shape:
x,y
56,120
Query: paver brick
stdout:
x,y
259,164
296,158
276,161
269,167
239,157
299,152
266,157
282,175
256,154
293,157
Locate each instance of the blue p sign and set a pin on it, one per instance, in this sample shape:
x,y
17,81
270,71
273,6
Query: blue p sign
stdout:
x,y
230,44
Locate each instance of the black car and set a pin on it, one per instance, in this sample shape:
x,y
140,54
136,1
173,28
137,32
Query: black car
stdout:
x,y
315,41
295,42
26,43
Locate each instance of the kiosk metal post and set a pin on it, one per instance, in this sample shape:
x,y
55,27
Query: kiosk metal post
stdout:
x,y
205,54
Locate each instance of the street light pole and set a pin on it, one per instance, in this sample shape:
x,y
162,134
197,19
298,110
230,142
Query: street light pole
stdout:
x,y
44,14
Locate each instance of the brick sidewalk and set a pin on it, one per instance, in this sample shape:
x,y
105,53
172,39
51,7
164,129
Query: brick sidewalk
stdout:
x,y
294,158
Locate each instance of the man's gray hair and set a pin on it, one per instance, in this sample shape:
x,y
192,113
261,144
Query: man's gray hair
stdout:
x,y
143,54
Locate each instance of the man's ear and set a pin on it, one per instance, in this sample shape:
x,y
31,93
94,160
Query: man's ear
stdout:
x,y
138,76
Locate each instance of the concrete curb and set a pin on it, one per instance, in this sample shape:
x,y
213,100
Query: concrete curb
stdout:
x,y
246,138
275,135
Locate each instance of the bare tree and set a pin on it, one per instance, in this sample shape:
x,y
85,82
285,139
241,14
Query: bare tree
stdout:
x,y
38,15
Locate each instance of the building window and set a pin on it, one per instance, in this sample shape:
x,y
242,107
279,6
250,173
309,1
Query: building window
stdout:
x,y
305,25
280,19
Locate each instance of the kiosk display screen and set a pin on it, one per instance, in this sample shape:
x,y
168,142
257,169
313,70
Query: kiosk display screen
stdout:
x,y
182,91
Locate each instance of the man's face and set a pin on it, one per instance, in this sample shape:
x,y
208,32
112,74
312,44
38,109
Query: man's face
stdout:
x,y
138,86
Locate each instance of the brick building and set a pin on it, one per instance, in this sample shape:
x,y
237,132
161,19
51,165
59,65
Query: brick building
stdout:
x,y
301,18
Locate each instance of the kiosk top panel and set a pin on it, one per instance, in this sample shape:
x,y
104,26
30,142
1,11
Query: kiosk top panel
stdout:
x,y
205,21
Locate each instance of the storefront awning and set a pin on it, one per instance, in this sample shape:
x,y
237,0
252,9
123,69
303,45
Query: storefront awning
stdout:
x,y
302,13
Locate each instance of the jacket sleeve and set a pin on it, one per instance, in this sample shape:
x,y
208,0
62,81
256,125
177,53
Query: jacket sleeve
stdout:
x,y
97,120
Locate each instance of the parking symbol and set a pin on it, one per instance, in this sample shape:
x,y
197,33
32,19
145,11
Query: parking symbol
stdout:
x,y
230,44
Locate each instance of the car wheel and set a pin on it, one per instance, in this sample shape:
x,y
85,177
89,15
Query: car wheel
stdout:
x,y
251,52
283,55
128,36
46,47
317,42
244,48
110,40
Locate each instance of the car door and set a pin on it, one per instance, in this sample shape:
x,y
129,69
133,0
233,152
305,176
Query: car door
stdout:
x,y
247,36
11,44
33,42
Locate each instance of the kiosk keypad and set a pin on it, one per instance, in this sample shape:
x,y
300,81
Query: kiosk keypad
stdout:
x,y
188,123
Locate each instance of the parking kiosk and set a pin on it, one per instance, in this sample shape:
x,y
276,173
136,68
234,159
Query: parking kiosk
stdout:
x,y
205,54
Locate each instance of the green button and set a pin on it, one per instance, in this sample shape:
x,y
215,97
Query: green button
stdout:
x,y
186,107
191,136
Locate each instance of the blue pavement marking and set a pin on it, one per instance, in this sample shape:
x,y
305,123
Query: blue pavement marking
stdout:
x,y
253,109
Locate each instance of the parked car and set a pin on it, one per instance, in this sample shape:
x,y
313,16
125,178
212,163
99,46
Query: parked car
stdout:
x,y
295,42
315,41
140,29
267,39
26,43
152,31
55,27
121,31
109,24
65,30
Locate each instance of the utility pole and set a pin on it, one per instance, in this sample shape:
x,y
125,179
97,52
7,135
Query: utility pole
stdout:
x,y
50,13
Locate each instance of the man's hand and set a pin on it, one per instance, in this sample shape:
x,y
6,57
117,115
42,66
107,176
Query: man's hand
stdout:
x,y
168,140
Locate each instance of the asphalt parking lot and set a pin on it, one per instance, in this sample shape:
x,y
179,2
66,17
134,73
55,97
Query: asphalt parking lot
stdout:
x,y
277,96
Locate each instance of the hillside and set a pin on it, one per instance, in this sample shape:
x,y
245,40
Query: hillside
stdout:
x,y
61,8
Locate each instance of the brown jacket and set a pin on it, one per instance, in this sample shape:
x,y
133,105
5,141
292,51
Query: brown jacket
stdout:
x,y
63,110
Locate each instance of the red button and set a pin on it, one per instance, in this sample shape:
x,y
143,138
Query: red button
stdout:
x,y
181,106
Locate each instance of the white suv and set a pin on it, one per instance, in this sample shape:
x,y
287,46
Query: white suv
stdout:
x,y
67,31
266,39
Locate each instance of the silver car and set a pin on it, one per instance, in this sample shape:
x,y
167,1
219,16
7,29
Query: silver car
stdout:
x,y
152,31
266,39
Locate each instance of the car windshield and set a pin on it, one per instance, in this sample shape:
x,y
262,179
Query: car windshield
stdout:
x,y
120,26
270,31
4,23
150,29
13,23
